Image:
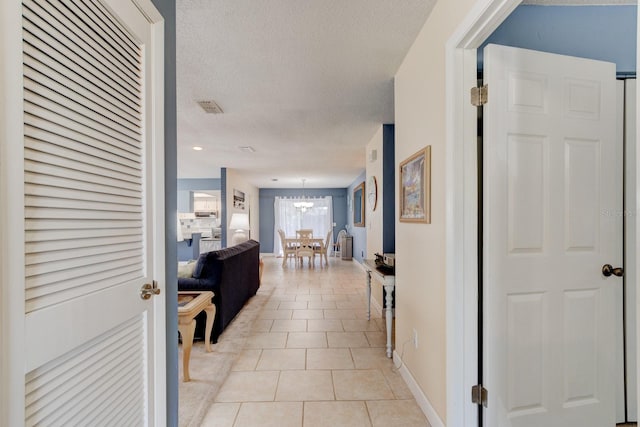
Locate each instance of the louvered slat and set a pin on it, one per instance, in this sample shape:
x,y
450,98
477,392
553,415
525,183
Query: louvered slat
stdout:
x,y
54,224
46,213
90,152
74,91
44,191
115,374
127,418
45,257
86,108
54,383
68,12
37,57
54,181
43,119
42,107
78,205
83,130
71,385
67,266
60,37
111,27
69,234
60,292
42,247
77,171
80,274
83,154
82,64
121,400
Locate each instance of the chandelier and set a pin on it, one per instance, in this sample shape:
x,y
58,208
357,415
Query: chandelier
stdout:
x,y
303,204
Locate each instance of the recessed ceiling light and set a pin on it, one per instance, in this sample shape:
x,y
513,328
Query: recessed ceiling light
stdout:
x,y
197,148
247,149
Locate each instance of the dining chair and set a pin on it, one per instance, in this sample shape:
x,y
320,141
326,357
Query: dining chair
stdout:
x,y
305,249
304,232
288,250
323,249
337,245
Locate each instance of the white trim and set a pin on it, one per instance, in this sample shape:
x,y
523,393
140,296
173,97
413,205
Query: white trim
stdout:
x,y
12,261
376,308
267,254
637,217
421,398
158,215
359,264
154,16
461,206
631,242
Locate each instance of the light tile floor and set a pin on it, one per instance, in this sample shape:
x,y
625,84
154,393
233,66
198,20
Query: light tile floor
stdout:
x,y
313,359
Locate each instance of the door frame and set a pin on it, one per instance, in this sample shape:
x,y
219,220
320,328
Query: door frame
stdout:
x,y
12,246
12,270
462,205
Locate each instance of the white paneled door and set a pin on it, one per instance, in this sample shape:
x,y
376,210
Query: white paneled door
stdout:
x,y
552,219
89,349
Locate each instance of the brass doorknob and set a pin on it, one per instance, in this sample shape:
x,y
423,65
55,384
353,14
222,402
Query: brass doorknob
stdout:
x,y
148,290
608,270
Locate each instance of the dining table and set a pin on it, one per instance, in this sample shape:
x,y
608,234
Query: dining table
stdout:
x,y
316,242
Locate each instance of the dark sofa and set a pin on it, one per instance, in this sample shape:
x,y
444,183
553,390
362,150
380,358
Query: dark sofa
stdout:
x,y
233,276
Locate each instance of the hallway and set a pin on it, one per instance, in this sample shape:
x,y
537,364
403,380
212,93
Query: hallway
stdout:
x,y
313,359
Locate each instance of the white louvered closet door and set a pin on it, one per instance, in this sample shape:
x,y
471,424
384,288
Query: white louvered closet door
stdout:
x,y
93,215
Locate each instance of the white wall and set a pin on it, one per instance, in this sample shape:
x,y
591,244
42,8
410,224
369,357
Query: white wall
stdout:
x,y
235,180
420,248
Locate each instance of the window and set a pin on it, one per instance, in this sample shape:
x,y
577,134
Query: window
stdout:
x,y
319,218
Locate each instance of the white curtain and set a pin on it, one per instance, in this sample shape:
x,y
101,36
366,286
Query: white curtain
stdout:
x,y
319,218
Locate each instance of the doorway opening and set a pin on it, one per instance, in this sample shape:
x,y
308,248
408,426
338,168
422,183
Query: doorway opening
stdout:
x,y
462,237
511,29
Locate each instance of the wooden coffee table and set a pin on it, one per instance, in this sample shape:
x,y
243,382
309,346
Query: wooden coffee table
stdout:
x,y
190,303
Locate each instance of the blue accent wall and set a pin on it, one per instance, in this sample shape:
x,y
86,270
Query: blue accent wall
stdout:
x,y
167,9
359,233
189,249
606,33
267,212
388,189
185,201
197,184
186,187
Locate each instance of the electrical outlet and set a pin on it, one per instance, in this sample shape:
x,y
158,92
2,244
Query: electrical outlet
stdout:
x,y
415,338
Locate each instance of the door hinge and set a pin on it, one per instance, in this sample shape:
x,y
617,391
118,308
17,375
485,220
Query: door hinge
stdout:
x,y
479,395
479,95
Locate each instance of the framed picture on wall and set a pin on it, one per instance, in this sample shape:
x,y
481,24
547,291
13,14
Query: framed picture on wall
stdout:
x,y
238,199
415,187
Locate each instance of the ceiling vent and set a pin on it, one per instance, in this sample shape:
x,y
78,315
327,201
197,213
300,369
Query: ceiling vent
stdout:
x,y
210,107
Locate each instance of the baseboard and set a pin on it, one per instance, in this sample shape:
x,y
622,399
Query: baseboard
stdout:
x,y
376,308
359,264
267,254
421,399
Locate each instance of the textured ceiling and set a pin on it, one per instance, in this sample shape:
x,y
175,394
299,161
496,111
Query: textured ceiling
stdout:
x,y
304,82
